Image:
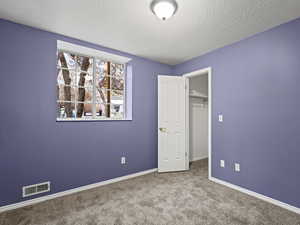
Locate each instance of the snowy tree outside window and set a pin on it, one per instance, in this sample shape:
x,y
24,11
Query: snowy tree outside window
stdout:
x,y
89,88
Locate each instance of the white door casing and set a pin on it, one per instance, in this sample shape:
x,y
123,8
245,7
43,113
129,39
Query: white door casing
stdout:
x,y
206,71
172,155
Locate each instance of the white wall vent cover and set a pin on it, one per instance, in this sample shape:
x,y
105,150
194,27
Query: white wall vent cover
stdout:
x,y
36,189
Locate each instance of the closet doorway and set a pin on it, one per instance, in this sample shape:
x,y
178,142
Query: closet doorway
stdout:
x,y
198,115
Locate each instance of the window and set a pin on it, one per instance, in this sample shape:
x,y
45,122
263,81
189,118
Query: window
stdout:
x,y
89,87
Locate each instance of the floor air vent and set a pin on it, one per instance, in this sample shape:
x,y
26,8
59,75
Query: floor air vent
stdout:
x,y
36,189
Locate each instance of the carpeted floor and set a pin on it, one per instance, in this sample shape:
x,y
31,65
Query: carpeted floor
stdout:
x,y
155,199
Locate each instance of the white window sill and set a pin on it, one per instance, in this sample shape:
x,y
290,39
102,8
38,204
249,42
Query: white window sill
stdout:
x,y
89,120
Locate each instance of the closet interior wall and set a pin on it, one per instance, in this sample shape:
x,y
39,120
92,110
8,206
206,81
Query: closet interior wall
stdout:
x,y
198,117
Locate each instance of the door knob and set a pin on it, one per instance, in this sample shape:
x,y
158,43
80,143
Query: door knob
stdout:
x,y
162,129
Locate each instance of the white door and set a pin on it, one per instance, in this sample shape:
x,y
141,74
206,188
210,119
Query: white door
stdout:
x,y
172,155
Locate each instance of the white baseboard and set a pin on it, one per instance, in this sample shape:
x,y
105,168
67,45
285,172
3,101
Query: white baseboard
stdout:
x,y
72,191
198,158
257,195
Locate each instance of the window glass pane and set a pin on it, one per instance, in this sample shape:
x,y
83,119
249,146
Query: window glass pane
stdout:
x,y
117,111
101,96
85,110
117,97
101,67
66,77
65,93
101,111
117,70
84,94
65,110
84,64
84,79
66,60
103,82
117,83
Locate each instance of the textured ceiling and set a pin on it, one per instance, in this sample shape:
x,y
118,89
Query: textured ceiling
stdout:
x,y
198,27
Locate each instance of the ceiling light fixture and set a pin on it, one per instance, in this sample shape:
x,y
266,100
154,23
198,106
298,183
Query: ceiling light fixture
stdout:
x,y
164,9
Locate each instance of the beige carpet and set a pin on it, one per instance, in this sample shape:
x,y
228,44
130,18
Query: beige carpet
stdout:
x,y
155,199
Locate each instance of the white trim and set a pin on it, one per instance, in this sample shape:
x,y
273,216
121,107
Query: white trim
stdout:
x,y
187,122
187,154
206,71
198,158
72,191
257,195
91,119
69,47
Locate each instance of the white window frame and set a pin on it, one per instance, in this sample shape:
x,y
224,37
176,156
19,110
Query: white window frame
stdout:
x,y
95,54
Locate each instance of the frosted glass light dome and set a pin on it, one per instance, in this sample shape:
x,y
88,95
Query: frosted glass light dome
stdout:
x,y
164,9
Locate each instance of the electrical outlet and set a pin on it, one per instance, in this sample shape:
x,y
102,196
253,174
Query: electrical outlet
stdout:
x,y
237,167
123,160
222,163
220,118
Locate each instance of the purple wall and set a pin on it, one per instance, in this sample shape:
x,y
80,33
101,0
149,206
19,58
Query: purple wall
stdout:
x,y
36,148
256,85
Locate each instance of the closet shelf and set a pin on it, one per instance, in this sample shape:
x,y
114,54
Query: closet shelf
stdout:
x,y
195,94
198,96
